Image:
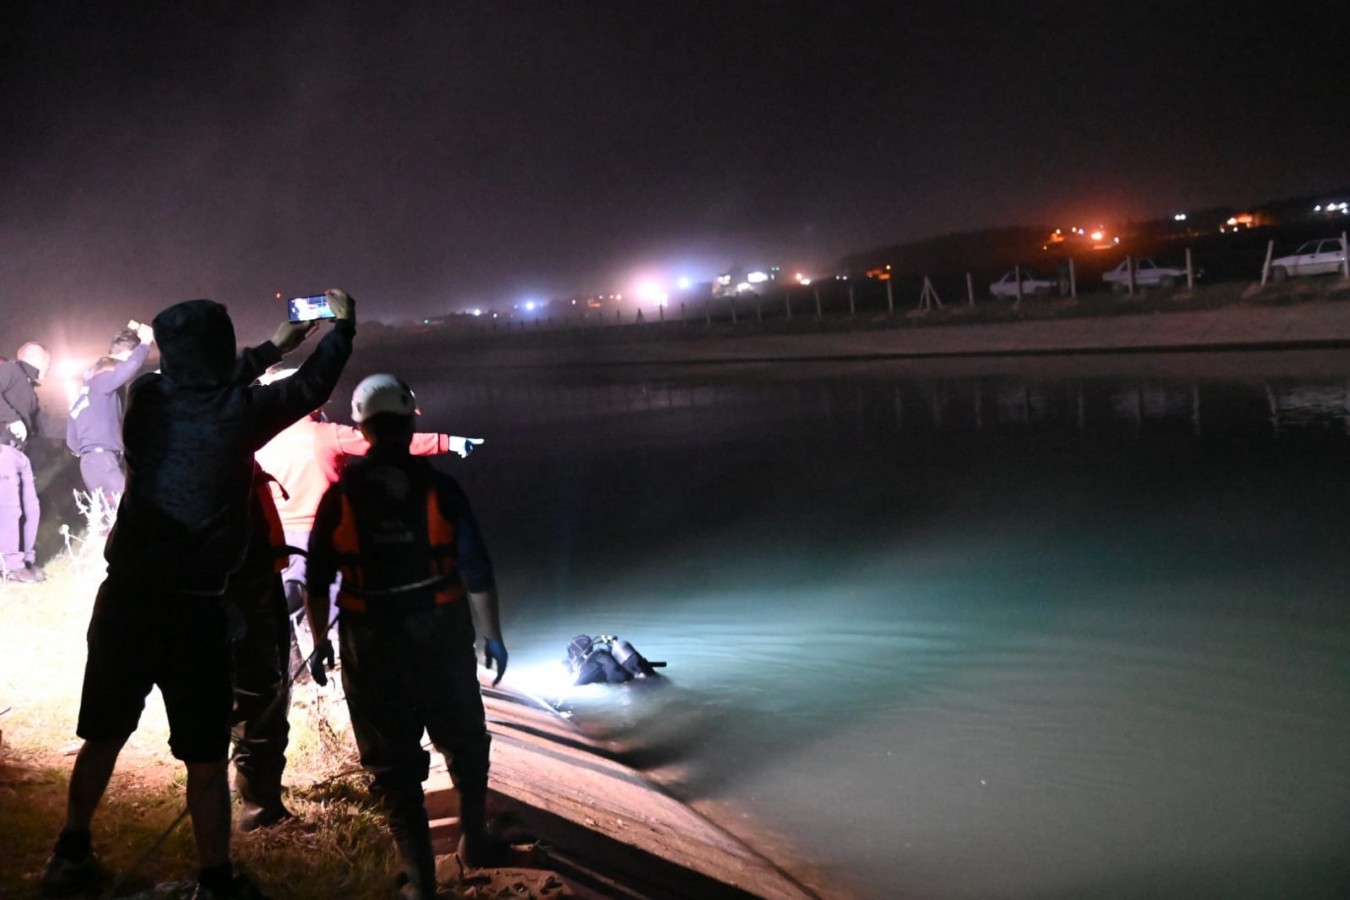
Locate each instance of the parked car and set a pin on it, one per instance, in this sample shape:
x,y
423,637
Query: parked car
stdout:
x,y
1032,285
1313,258
1146,274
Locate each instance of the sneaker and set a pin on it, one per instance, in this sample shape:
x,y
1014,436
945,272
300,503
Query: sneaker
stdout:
x,y
65,877
241,888
24,576
37,572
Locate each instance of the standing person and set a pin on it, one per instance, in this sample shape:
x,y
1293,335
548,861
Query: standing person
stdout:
x,y
19,510
305,460
19,380
94,430
404,537
260,653
182,530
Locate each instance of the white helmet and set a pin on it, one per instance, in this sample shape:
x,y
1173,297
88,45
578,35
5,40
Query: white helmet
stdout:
x,y
382,393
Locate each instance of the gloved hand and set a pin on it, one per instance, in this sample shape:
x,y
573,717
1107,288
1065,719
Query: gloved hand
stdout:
x,y
494,650
463,446
19,430
321,661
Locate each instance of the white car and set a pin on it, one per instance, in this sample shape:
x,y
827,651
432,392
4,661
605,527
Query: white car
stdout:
x,y
1313,258
1146,274
1031,285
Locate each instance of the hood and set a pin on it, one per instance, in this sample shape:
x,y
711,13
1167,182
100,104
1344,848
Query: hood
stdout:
x,y
196,343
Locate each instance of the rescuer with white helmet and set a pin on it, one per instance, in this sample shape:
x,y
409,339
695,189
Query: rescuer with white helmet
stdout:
x,y
415,576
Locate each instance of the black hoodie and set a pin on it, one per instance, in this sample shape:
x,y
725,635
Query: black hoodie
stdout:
x,y
190,433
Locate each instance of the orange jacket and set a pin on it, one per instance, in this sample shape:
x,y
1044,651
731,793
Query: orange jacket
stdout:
x,y
310,455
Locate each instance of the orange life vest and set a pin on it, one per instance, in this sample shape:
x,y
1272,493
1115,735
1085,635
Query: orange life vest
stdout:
x,y
442,570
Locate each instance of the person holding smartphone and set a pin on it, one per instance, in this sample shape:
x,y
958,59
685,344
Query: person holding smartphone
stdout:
x,y
181,534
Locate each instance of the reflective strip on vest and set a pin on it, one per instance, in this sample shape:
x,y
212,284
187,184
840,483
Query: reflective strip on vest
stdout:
x,y
440,537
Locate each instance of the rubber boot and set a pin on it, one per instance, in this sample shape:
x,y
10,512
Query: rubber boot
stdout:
x,y
418,880
261,799
478,847
404,805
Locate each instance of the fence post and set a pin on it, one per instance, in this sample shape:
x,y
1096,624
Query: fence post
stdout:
x,y
1129,274
1190,271
970,289
852,307
890,295
1073,279
733,309
787,304
684,320
1345,257
1265,269
1017,273
818,311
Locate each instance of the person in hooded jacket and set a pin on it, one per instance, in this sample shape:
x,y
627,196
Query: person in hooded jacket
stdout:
x,y
182,531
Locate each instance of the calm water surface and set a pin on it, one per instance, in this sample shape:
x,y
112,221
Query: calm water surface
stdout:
x,y
1044,629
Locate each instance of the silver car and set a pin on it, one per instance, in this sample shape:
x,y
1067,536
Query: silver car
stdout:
x,y
1032,285
1313,258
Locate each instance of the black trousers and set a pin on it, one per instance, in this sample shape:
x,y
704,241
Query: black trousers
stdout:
x,y
404,673
262,684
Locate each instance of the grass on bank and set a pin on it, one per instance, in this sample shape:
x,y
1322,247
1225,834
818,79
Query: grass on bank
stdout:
x,y
338,848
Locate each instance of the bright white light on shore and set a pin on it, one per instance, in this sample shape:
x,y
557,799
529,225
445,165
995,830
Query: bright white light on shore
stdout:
x,y
757,277
475,311
652,292
685,283
530,305
1179,217
802,279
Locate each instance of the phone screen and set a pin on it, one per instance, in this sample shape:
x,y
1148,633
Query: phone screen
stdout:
x,y
306,309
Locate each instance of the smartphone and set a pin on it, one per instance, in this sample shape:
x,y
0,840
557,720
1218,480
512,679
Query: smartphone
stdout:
x,y
307,309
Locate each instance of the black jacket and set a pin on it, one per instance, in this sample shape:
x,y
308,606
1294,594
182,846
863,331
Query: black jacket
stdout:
x,y
190,434
18,396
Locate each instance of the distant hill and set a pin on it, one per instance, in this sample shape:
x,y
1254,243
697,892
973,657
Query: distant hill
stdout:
x,y
993,250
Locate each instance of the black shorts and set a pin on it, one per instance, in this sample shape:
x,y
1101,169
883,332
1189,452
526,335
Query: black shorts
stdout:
x,y
140,638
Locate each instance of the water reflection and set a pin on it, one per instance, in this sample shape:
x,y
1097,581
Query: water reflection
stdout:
x,y
924,406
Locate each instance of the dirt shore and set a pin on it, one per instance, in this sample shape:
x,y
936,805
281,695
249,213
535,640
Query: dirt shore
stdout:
x,y
1303,315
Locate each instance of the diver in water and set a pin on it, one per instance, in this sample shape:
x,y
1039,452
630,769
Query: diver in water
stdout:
x,y
605,659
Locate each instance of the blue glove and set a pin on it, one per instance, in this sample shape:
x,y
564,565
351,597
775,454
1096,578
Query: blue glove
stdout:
x,y
321,660
494,650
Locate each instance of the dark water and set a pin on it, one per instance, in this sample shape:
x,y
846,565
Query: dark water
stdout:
x,y
1052,628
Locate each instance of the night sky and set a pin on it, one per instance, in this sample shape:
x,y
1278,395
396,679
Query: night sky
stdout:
x,y
436,155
